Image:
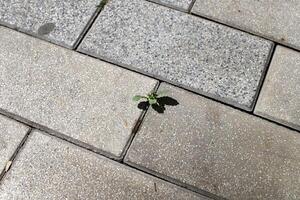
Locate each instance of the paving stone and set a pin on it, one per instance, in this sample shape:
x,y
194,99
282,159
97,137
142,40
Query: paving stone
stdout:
x,y
61,22
212,147
279,99
48,168
275,19
183,5
195,53
81,97
11,135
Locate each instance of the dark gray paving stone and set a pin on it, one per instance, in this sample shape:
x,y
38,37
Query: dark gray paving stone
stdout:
x,y
279,99
83,98
209,58
183,5
212,147
48,168
11,135
277,19
57,21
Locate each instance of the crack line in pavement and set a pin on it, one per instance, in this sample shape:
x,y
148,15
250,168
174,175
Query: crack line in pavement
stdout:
x,y
15,154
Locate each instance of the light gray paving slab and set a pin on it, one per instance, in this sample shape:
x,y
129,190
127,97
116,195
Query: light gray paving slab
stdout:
x,y
81,97
48,168
279,99
212,147
61,22
183,5
198,54
277,20
11,135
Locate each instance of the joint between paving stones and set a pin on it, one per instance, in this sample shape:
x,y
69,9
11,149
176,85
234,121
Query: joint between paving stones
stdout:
x,y
15,154
245,31
263,77
174,181
191,6
137,127
90,23
59,135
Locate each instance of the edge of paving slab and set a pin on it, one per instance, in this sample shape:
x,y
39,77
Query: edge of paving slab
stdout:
x,y
137,127
242,28
226,101
158,2
98,156
172,180
59,135
77,40
282,122
15,154
89,24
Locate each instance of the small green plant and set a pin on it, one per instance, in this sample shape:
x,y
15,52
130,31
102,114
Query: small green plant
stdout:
x,y
151,98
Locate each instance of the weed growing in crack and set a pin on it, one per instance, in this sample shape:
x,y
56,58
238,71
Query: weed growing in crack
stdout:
x,y
157,100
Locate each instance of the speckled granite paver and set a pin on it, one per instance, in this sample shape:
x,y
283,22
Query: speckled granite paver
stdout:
x,y
48,168
278,20
183,5
198,54
78,96
60,22
219,149
279,99
11,135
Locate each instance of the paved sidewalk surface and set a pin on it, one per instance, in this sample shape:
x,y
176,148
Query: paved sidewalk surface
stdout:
x,y
227,127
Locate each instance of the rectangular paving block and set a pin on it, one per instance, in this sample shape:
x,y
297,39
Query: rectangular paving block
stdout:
x,y
209,146
279,99
278,20
83,98
48,168
11,135
60,22
183,5
197,54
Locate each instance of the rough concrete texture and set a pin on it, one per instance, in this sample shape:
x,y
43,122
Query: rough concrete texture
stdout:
x,y
183,5
274,19
212,147
60,22
48,168
11,135
198,54
81,97
279,99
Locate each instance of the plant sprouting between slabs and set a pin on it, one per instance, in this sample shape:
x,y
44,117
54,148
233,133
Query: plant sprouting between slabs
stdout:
x,y
152,98
156,100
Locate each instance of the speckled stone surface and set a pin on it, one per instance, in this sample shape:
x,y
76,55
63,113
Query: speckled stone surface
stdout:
x,y
48,168
198,54
57,21
183,5
81,97
279,99
11,134
219,149
278,20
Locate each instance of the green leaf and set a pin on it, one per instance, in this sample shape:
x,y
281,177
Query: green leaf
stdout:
x,y
137,97
152,101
